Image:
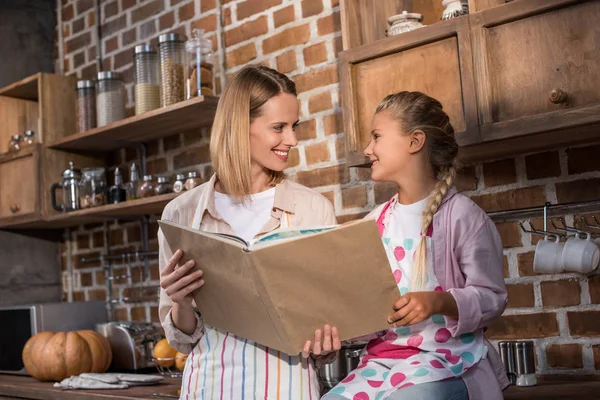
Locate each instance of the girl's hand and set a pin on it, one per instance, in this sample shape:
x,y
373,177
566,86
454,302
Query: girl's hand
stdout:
x,y
415,307
178,282
326,341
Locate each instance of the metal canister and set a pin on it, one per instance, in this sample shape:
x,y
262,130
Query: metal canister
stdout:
x,y
507,354
525,362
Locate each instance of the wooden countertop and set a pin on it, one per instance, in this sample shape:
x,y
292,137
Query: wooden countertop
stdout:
x,y
25,387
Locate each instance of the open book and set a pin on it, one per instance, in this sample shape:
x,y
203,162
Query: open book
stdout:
x,y
278,289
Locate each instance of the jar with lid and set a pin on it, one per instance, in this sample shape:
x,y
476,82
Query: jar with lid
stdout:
x,y
147,79
92,188
110,98
179,184
162,186
14,144
29,139
86,105
171,50
70,188
193,180
146,189
404,22
199,67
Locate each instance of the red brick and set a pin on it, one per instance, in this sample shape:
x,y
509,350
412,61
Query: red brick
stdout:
x,y
338,46
123,58
564,356
517,198
329,24
333,124
78,25
193,156
521,326
147,10
384,191
138,314
520,295
320,102
98,239
227,16
542,165
562,293
525,262
68,13
111,9
317,78
311,7
241,55
583,159
337,174
250,7
83,241
111,44
315,54
306,130
335,3
86,279
354,197
171,142
284,16
186,12
584,323
67,31
584,190
91,19
98,294
79,59
505,267
466,179
291,37
129,37
293,158
175,2
208,23
91,53
501,172
246,31
89,72
148,29
134,234
78,42
121,314
207,5
286,62
340,148
113,26
84,5
317,152
596,351
157,167
594,285
127,4
510,233
166,21
100,278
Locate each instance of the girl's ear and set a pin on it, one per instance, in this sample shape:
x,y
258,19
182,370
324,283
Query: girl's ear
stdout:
x,y
417,141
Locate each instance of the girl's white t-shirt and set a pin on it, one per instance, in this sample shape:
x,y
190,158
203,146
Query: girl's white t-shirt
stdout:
x,y
247,217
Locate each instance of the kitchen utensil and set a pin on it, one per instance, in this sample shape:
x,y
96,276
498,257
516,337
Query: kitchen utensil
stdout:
x,y
548,256
525,362
507,354
580,255
131,342
70,188
347,360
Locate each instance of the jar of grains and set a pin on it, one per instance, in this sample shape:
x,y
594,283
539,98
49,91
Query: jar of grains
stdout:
x,y
171,50
110,98
86,105
147,79
199,66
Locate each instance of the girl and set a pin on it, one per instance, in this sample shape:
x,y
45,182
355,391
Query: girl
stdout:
x,y
248,196
446,256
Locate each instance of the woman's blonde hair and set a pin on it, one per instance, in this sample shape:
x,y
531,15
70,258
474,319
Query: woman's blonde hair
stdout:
x,y
240,103
417,111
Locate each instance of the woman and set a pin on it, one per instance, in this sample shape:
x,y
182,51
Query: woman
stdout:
x,y
252,135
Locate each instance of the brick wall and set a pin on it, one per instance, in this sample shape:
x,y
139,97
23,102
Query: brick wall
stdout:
x,y
302,39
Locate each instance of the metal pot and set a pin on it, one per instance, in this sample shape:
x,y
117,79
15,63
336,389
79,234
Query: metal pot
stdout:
x,y
348,359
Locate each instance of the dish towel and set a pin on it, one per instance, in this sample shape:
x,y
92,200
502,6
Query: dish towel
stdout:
x,y
107,381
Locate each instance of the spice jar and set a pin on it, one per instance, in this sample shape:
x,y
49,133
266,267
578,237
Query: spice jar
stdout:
x,y
110,98
199,67
192,181
92,188
162,186
14,144
171,50
147,79
179,184
146,189
29,139
86,105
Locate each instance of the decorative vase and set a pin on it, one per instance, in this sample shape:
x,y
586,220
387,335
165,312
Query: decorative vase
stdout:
x,y
455,8
404,22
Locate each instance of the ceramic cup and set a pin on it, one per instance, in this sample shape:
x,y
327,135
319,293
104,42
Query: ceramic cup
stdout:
x,y
548,256
580,255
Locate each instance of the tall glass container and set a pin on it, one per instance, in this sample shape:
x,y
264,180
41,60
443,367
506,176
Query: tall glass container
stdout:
x,y
110,97
86,105
147,79
171,49
199,78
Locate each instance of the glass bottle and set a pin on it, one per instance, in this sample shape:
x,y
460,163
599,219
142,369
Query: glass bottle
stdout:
x,y
146,189
15,143
147,79
29,139
199,67
162,186
171,50
132,186
179,184
117,193
86,105
193,180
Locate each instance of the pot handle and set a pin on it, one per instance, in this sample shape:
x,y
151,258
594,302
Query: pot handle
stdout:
x,y
353,353
53,188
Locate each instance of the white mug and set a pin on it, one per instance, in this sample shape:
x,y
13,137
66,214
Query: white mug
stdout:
x,y
548,256
580,255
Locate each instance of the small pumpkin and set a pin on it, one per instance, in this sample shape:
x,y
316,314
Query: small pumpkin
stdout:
x,y
54,356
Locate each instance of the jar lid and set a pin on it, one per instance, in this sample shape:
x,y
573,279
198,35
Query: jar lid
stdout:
x,y
29,133
161,179
104,75
143,48
405,16
16,137
147,178
171,37
85,84
180,177
92,171
198,41
71,172
192,174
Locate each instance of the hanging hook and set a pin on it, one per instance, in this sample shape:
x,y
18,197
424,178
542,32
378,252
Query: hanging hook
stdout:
x,y
566,228
556,235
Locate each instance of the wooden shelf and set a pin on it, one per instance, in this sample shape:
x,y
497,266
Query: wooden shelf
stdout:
x,y
181,117
24,89
9,156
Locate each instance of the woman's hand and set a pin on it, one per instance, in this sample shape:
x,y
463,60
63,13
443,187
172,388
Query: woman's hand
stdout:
x,y
415,307
178,282
326,341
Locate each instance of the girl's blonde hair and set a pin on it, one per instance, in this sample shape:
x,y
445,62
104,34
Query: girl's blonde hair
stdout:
x,y
240,103
417,111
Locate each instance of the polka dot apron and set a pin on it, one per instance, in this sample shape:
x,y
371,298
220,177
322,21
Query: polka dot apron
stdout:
x,y
410,355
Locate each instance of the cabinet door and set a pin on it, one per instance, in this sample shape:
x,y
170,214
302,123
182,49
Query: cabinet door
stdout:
x,y
537,67
435,60
19,186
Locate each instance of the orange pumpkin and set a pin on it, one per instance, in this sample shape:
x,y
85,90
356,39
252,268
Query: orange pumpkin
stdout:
x,y
54,356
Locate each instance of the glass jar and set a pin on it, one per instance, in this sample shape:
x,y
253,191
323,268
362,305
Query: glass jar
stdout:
x,y
86,105
193,180
29,139
171,49
162,186
179,184
147,79
146,189
110,98
199,67
14,144
92,188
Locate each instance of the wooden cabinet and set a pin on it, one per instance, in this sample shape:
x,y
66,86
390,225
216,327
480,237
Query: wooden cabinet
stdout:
x,y
19,191
436,61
